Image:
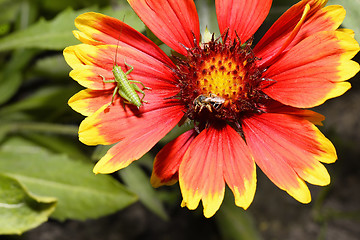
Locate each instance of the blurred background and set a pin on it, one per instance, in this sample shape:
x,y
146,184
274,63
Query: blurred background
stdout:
x,y
48,190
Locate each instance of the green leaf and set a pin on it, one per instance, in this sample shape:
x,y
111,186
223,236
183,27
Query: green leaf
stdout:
x,y
100,151
234,222
175,132
57,6
138,182
19,209
207,16
125,13
46,97
60,144
53,68
80,193
4,28
24,127
56,34
351,20
27,13
9,85
11,76
12,7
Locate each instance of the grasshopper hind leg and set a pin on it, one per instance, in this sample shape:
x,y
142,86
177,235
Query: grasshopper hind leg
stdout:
x,y
135,81
136,88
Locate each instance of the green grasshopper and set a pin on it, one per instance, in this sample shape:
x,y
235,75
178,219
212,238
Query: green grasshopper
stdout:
x,y
126,88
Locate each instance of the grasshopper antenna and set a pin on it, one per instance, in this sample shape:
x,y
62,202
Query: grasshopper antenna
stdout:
x,y
117,44
126,88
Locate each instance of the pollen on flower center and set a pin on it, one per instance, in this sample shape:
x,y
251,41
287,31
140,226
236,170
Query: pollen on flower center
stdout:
x,y
220,80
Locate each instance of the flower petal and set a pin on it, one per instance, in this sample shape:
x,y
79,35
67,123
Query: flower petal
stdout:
x,y
321,62
318,19
174,22
136,130
96,29
92,63
89,63
201,174
241,18
167,161
239,167
87,102
277,107
118,122
288,148
289,39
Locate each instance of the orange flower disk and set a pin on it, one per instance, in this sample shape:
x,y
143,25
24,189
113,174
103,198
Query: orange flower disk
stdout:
x,y
247,103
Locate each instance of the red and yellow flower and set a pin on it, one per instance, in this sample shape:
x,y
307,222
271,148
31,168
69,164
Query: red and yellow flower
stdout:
x,y
247,104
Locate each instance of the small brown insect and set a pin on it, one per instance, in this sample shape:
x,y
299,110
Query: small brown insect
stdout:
x,y
209,101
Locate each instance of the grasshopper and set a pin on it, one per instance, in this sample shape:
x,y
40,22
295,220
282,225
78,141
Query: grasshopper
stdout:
x,y
126,88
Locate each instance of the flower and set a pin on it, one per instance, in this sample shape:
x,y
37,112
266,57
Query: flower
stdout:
x,y
247,104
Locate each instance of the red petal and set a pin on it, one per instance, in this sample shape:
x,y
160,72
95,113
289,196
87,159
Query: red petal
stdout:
x,y
91,63
137,129
201,174
167,161
288,148
277,107
116,123
318,19
96,29
313,70
239,167
288,41
174,22
241,18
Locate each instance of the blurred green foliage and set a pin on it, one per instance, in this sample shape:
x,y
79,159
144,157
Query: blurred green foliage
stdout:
x,y
39,151
20,209
44,170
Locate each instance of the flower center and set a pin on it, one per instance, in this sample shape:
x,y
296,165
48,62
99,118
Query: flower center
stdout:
x,y
220,82
222,76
